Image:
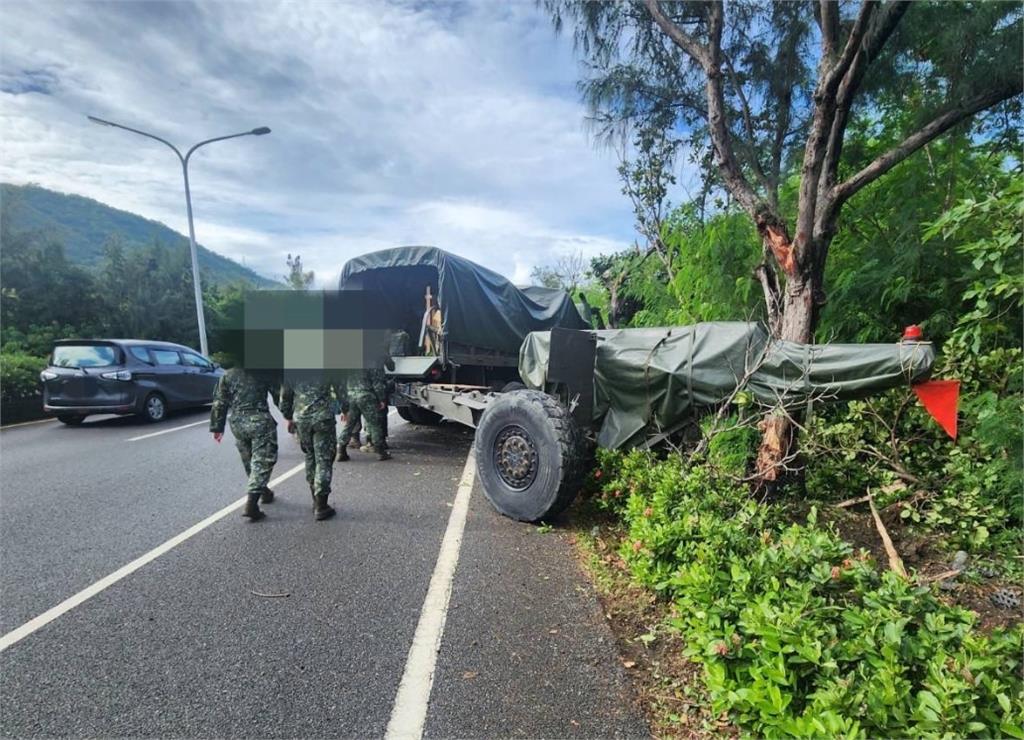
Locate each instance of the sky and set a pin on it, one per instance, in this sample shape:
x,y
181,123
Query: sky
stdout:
x,y
456,125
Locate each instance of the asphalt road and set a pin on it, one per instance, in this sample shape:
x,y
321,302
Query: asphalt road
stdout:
x,y
201,641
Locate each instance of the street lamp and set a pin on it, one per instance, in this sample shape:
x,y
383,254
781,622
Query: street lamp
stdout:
x,y
188,204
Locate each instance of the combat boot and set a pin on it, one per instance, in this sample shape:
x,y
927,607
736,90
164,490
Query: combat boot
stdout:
x,y
252,508
342,454
366,448
383,454
267,496
322,509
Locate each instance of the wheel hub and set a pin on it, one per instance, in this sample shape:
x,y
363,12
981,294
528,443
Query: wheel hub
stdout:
x,y
515,457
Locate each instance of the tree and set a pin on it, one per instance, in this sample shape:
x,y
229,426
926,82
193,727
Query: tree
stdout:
x,y
756,91
296,279
568,273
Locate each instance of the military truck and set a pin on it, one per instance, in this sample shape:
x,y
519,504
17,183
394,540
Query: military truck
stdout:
x,y
541,387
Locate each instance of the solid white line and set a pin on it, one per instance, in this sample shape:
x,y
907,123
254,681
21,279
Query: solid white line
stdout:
x,y
168,431
87,593
26,423
410,708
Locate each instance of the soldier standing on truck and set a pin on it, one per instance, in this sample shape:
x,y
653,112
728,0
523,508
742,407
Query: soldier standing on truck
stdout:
x,y
255,431
308,406
366,399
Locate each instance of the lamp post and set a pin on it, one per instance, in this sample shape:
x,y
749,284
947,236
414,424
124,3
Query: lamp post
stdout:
x,y
188,205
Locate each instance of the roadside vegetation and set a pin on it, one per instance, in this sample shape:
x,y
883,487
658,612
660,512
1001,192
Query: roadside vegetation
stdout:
x,y
789,605
136,292
874,589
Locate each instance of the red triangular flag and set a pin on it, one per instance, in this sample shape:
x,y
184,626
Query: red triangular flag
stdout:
x,y
940,398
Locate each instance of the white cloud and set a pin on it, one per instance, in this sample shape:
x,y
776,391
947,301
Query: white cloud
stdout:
x,y
456,125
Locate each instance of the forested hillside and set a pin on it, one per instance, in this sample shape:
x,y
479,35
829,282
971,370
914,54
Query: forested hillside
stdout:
x,y
85,226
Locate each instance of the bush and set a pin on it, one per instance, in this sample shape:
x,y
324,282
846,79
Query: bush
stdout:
x,y
968,490
19,376
799,634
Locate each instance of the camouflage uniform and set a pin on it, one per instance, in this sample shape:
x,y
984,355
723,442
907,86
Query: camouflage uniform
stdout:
x,y
252,425
366,391
398,346
311,404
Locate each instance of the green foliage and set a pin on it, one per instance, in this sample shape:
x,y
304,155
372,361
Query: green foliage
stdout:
x,y
143,293
799,635
969,491
989,234
19,375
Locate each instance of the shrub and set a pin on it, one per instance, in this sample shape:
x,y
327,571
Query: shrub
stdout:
x,y
19,375
799,634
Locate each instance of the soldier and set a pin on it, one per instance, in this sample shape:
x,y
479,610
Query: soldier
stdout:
x,y
398,346
255,431
366,399
313,419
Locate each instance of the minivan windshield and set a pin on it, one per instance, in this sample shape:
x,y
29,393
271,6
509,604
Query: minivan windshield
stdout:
x,y
84,355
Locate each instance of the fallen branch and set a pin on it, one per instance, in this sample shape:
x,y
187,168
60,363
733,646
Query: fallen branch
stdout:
x,y
852,501
269,596
895,563
939,576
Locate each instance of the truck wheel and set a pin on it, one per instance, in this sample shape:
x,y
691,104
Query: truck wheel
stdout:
x,y
71,420
530,455
424,416
405,412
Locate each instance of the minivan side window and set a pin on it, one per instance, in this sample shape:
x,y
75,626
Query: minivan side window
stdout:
x,y
141,353
165,356
195,361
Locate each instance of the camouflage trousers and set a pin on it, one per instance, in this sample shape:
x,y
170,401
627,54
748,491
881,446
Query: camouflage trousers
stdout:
x,y
317,442
256,440
364,407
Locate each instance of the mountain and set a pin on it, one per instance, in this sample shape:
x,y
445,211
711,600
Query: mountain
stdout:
x,y
83,226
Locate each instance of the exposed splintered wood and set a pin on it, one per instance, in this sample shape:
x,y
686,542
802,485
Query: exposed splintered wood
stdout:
x,y
895,562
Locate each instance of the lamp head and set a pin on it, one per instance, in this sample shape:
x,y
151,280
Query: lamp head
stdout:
x,y
260,131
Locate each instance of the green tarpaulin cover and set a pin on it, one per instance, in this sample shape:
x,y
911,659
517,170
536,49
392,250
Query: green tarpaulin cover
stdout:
x,y
479,307
647,382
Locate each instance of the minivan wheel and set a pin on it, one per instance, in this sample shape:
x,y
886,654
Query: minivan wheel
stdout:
x,y
155,408
72,420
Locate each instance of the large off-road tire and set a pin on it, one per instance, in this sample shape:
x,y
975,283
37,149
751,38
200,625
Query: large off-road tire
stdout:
x,y
405,412
530,455
418,415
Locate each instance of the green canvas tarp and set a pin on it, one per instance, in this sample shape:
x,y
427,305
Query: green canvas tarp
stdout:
x,y
479,307
648,382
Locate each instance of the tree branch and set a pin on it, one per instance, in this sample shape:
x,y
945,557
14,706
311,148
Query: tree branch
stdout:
x,y
748,124
679,37
828,22
938,126
765,275
884,24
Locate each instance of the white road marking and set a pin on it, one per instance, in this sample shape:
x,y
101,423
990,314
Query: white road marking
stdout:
x,y
26,423
87,593
168,431
410,708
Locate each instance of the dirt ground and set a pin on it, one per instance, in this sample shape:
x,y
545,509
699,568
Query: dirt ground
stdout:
x,y
926,558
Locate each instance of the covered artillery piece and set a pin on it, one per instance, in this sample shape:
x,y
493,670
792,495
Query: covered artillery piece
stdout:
x,y
540,387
